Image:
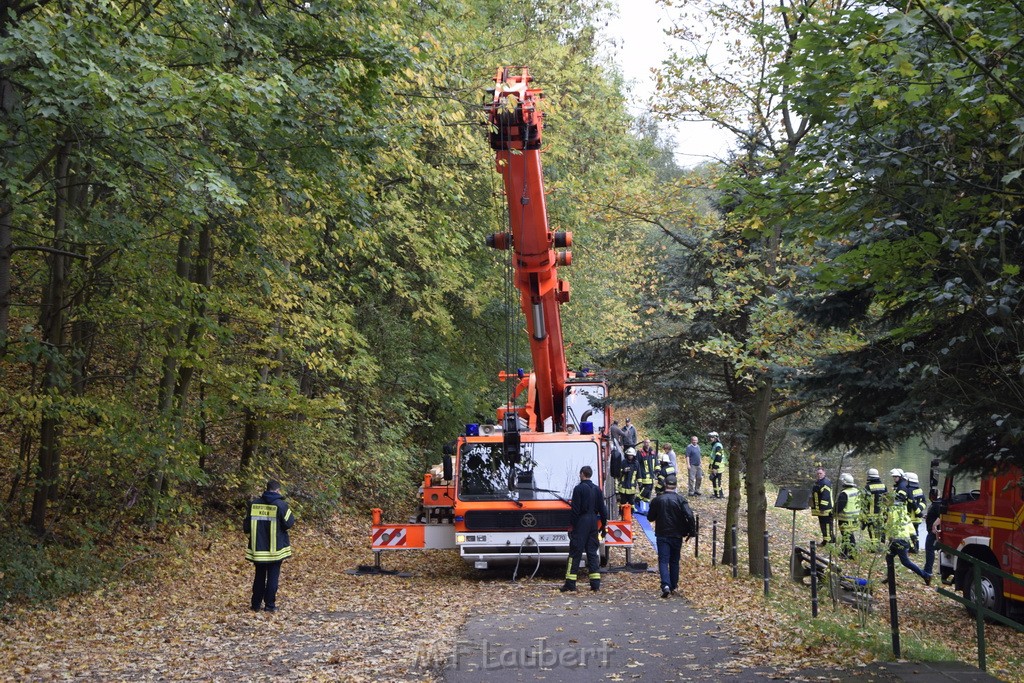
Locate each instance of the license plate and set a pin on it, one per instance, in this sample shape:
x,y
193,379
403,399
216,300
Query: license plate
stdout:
x,y
553,538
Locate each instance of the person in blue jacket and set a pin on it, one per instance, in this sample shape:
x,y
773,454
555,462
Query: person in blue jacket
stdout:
x,y
267,524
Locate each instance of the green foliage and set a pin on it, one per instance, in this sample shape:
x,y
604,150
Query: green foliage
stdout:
x,y
913,188
36,572
258,232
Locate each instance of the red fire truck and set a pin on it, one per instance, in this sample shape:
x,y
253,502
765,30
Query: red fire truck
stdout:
x,y
982,518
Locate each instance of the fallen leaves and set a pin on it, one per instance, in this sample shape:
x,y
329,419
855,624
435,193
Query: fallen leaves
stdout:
x,y
191,620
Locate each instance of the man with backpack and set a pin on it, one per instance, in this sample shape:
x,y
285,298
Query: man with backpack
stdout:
x,y
673,522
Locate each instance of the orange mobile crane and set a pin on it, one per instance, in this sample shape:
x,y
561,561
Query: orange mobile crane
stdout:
x,y
502,492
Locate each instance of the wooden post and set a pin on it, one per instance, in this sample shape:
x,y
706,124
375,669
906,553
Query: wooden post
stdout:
x,y
894,615
814,579
735,568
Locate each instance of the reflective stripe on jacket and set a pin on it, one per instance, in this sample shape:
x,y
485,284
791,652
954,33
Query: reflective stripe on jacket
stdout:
x,y
821,498
899,520
267,526
717,456
626,482
666,469
849,501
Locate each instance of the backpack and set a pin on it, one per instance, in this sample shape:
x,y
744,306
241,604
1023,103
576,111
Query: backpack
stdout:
x,y
689,521
616,464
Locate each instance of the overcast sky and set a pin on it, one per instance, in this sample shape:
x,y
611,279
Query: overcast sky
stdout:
x,y
639,34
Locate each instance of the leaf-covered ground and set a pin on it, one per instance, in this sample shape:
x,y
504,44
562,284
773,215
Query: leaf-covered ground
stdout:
x,y
931,626
189,620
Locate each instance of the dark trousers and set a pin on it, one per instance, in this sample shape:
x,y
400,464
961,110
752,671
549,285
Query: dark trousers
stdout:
x,y
716,482
669,548
929,552
827,535
579,544
901,547
264,586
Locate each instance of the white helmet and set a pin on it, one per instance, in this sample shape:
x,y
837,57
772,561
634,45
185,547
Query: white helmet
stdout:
x,y
873,472
713,435
663,457
912,478
630,451
896,472
846,479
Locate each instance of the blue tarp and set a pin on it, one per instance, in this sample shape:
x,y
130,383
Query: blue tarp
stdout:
x,y
646,526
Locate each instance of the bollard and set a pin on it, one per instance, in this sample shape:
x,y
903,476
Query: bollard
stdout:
x,y
767,565
894,615
735,567
814,580
696,536
714,543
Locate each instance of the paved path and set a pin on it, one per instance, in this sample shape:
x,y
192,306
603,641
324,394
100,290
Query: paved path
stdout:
x,y
630,634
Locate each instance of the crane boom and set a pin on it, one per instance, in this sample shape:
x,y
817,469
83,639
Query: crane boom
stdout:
x,y
501,491
516,133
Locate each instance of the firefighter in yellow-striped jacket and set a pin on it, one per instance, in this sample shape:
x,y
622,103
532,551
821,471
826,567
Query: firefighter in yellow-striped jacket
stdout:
x,y
874,507
821,504
267,524
847,514
626,482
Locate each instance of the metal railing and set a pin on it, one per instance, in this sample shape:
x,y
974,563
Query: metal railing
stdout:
x,y
981,612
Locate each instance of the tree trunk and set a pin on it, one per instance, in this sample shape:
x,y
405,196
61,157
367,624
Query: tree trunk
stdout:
x,y
6,242
732,508
52,320
203,278
7,107
169,379
250,441
757,505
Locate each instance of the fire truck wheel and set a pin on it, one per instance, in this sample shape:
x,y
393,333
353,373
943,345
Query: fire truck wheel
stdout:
x,y
991,591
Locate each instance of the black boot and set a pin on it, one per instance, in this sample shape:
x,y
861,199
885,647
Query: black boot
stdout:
x,y
568,586
595,584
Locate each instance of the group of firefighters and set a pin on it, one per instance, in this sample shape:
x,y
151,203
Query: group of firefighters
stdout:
x,y
640,471
882,515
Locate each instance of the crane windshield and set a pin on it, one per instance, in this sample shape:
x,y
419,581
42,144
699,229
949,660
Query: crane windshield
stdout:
x,y
540,471
585,403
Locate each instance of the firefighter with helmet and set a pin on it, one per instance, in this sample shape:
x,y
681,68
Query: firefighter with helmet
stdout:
x,y
900,487
821,504
916,507
647,461
625,484
899,544
717,465
873,507
847,514
665,470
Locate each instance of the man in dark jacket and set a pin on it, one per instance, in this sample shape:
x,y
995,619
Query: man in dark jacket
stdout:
x,y
673,521
588,508
267,525
629,438
821,505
